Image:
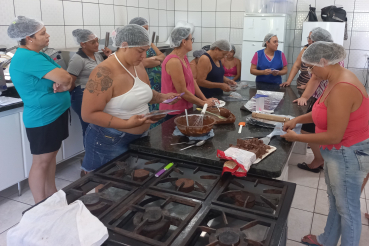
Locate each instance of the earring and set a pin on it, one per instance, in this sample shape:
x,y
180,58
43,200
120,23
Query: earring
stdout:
x,y
31,41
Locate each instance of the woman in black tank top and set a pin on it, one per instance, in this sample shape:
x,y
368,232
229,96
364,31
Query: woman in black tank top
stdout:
x,y
210,75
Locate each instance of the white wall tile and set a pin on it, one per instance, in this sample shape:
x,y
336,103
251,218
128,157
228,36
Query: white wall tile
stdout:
x,y
106,14
120,15
29,8
236,36
170,4
163,34
361,6
132,3
197,34
361,22
143,13
90,14
170,29
120,2
291,23
95,30
223,5
298,37
300,18
223,19
4,38
154,4
346,60
238,5
359,40
290,55
154,17
106,1
222,33
180,5
238,51
143,3
195,46
72,13
163,4
57,36
52,12
208,19
347,43
303,5
350,18
357,58
321,4
88,1
237,19
194,5
290,37
69,41
296,52
194,18
347,5
7,13
208,35
180,16
208,5
162,18
170,18
131,13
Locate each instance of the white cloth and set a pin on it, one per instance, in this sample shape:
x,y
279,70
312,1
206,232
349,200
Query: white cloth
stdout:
x,y
243,157
54,222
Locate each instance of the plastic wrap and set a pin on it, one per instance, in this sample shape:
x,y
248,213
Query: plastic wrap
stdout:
x,y
239,86
233,97
270,102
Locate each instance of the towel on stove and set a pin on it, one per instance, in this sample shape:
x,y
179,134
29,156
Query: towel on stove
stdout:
x,y
54,222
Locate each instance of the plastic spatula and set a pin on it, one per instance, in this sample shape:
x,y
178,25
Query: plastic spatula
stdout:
x,y
241,124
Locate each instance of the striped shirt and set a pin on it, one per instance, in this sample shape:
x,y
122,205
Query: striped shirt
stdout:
x,y
319,91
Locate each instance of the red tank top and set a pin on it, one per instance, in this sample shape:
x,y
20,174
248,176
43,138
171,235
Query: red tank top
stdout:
x,y
357,129
167,85
230,72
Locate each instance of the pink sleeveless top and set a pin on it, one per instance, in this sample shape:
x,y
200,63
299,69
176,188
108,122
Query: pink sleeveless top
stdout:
x,y
230,72
357,129
167,85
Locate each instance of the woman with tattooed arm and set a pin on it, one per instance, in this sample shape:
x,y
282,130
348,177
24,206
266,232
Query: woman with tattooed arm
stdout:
x,y
116,99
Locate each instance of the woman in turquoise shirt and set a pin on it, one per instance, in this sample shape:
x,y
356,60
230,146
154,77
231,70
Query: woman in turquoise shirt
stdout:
x,y
43,87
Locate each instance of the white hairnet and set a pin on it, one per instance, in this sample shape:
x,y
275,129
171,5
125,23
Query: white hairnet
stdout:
x,y
221,44
323,54
177,35
320,34
198,53
233,48
83,35
139,21
131,35
267,38
23,26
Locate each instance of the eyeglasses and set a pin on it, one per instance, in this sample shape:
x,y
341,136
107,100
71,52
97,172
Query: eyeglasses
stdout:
x,y
308,38
192,40
310,70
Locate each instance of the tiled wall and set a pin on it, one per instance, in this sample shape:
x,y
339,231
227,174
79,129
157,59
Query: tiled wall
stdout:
x,y
100,16
218,19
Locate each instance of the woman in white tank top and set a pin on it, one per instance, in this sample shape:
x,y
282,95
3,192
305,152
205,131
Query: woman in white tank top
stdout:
x,y
116,97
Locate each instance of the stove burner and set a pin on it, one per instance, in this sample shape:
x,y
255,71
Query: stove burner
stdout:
x,y
227,236
94,203
90,199
245,198
140,175
152,223
185,185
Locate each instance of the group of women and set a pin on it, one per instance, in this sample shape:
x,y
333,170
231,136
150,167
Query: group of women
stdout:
x,y
112,94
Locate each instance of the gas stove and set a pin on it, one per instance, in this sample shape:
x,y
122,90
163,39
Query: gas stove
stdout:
x,y
188,205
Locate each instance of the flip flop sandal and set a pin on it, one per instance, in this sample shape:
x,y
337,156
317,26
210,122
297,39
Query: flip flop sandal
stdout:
x,y
311,241
304,166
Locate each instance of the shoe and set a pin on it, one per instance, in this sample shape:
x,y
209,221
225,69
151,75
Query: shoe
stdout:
x,y
304,166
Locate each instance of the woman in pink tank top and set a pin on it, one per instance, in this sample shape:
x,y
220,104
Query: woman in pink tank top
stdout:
x,y
177,75
341,116
232,65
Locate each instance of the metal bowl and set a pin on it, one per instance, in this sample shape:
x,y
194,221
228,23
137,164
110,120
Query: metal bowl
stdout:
x,y
191,130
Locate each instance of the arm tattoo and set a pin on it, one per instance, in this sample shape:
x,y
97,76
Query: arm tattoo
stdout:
x,y
102,81
111,119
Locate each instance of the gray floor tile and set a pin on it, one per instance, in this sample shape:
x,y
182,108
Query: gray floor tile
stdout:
x,y
10,213
70,172
302,177
304,198
299,224
293,243
322,204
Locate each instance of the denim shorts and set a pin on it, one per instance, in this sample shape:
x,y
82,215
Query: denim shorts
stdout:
x,y
104,144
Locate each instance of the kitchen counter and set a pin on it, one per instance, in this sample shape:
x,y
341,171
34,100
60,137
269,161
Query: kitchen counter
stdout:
x,y
11,92
159,140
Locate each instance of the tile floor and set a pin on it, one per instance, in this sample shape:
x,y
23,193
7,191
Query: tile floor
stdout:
x,y
308,213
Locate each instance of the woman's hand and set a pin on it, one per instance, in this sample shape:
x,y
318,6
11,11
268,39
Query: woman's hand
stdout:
x,y
301,101
60,88
225,87
290,136
275,72
138,120
107,51
285,84
210,102
231,82
289,125
171,95
267,71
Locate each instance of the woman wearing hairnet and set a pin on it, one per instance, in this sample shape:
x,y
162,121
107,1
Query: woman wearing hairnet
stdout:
x,y
193,64
43,86
341,116
269,64
177,75
116,97
210,71
152,64
232,66
81,65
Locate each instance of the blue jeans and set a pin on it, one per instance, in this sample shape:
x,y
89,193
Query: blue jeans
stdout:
x,y
231,78
104,144
344,170
76,102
